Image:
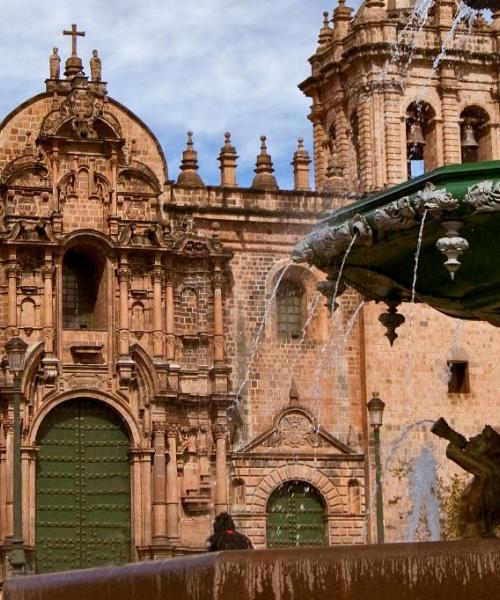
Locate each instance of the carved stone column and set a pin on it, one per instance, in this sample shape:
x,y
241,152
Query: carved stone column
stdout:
x,y
55,175
219,433
319,136
170,323
449,108
113,217
157,279
366,154
159,487
49,362
123,280
13,270
218,280
124,364
393,136
172,485
48,271
146,496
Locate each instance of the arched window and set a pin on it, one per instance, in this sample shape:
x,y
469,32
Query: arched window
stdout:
x,y
289,309
295,516
420,138
83,291
475,138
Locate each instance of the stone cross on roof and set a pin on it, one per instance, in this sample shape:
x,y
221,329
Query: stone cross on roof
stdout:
x,y
73,33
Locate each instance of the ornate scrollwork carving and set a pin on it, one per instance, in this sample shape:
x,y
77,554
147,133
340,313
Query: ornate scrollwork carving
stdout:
x,y
395,216
13,269
157,275
435,201
484,196
82,106
333,240
219,431
294,430
47,271
124,274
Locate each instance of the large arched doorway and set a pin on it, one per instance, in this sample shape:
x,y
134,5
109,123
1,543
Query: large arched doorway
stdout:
x,y
295,516
82,488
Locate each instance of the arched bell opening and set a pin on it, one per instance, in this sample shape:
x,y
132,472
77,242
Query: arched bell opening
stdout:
x,y
475,136
420,138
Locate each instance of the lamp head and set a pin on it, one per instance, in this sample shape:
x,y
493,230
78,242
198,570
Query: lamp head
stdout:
x,y
15,349
376,410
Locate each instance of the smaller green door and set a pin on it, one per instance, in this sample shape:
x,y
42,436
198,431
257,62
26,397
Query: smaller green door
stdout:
x,y
295,516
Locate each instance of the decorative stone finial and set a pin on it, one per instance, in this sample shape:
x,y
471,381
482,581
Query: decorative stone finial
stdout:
x,y
301,162
227,159
391,319
264,178
293,394
325,33
342,17
189,168
452,245
73,63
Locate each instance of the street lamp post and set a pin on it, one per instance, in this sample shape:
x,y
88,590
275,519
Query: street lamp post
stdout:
x,y
375,412
16,352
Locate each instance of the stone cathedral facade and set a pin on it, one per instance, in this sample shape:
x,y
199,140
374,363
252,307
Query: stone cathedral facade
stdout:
x,y
178,363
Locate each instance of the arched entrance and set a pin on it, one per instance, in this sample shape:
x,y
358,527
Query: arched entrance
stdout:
x,y
295,516
82,488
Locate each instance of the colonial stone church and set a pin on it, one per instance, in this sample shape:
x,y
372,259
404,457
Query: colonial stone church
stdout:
x,y
178,363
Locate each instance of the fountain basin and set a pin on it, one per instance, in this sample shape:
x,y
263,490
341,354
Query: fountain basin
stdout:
x,y
461,208
465,570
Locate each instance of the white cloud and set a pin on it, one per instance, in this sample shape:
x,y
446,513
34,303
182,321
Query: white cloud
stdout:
x,y
209,65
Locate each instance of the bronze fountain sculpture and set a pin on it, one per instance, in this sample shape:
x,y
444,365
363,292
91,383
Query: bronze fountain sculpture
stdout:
x,y
480,456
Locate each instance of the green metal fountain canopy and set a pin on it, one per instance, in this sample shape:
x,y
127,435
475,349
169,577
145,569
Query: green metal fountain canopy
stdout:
x,y
373,242
479,4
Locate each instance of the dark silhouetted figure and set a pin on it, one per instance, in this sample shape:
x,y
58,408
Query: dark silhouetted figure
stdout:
x,y
225,536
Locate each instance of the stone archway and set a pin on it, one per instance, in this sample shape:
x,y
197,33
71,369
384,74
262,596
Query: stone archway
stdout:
x,y
82,489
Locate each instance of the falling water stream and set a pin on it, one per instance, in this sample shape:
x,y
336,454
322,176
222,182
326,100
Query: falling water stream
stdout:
x,y
329,338
260,330
409,354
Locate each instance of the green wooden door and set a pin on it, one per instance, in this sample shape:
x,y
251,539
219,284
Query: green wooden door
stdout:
x,y
295,516
82,488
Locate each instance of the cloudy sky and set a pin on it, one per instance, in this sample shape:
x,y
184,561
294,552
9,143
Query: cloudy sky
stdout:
x,y
207,65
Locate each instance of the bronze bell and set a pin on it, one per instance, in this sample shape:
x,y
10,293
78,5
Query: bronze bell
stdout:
x,y
416,135
469,137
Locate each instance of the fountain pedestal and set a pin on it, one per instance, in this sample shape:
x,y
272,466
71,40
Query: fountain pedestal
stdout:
x,y
465,570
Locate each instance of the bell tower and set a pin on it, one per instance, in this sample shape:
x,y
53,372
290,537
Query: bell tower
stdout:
x,y
394,95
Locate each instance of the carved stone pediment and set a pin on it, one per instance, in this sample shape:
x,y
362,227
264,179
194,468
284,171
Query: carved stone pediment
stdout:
x,y
76,115
32,231
138,178
295,429
25,171
145,235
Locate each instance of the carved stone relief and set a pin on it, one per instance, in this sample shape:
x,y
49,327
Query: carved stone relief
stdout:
x,y
484,196
294,430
